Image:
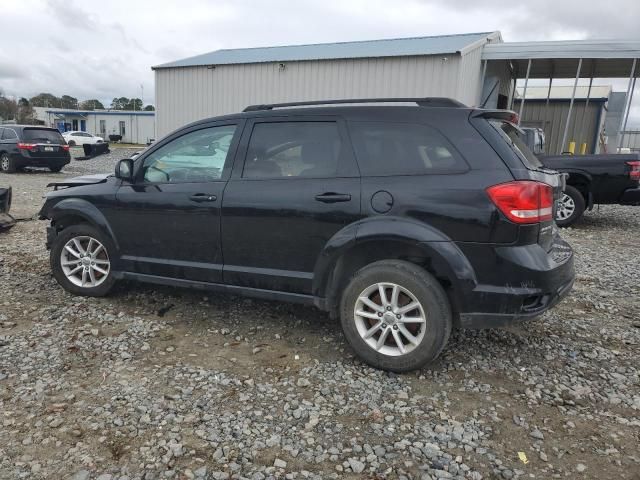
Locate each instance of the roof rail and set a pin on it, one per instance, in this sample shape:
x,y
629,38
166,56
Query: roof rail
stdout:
x,y
422,102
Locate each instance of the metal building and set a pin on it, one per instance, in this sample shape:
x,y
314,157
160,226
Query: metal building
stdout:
x,y
477,69
548,110
134,126
226,81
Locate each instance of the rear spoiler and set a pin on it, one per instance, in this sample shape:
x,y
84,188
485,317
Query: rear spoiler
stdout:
x,y
507,115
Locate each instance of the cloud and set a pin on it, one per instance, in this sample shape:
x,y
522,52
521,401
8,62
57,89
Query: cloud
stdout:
x,y
93,49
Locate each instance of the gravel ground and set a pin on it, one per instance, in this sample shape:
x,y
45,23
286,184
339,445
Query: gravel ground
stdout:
x,y
165,383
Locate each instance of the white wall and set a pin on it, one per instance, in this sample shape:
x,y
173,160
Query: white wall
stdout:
x,y
187,94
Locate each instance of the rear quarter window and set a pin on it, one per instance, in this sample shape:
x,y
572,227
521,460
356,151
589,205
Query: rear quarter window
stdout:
x,y
37,135
386,149
511,135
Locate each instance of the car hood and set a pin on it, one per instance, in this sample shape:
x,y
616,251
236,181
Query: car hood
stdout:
x,y
82,180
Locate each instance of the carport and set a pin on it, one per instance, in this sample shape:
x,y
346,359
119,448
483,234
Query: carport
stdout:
x,y
503,64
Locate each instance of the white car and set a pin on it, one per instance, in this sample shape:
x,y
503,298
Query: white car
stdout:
x,y
80,138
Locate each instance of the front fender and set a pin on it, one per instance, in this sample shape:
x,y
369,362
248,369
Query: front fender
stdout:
x,y
78,207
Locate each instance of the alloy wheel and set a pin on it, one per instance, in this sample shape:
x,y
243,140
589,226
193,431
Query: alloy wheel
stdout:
x,y
390,319
566,207
4,163
85,262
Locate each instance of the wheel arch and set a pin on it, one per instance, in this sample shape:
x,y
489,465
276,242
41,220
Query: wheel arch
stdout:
x,y
72,211
391,238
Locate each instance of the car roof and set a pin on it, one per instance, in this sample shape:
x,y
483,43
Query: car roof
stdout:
x,y
22,127
353,112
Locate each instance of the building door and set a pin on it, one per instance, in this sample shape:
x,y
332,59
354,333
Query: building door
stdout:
x,y
83,125
168,221
74,124
122,128
298,187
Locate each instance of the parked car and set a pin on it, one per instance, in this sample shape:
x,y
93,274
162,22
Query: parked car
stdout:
x,y
403,221
81,138
32,146
612,178
6,220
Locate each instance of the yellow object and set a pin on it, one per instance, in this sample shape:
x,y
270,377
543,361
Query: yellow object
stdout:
x,y
583,149
572,147
523,457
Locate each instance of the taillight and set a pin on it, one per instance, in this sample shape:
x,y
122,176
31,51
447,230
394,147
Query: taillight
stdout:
x,y
523,201
28,146
634,174
65,147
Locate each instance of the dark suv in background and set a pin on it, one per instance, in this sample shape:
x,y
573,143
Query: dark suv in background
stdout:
x,y
32,146
403,221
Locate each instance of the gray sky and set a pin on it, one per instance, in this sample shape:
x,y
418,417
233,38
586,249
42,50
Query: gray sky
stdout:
x,y
100,49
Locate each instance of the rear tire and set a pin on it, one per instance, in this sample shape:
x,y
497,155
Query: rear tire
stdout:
x,y
570,208
363,311
71,143
83,239
56,168
7,164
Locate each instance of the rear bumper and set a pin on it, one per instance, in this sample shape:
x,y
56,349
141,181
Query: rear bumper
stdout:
x,y
28,161
525,281
631,196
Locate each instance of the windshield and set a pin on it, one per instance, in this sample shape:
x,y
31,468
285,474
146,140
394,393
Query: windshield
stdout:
x,y
511,134
41,135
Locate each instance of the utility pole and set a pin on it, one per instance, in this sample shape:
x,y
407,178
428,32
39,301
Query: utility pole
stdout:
x,y
142,96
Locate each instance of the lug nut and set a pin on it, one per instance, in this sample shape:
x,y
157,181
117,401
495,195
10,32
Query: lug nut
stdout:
x,y
379,314
395,327
398,316
384,325
388,308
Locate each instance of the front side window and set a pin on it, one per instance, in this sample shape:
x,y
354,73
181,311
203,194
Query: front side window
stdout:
x,y
197,156
293,149
385,149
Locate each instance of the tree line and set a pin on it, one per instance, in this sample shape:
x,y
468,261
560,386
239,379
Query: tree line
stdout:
x,y
22,111
67,101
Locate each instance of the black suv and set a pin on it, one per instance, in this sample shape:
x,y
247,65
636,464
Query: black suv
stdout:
x,y
32,146
404,221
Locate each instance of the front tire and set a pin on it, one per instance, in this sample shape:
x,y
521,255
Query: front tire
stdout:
x,y
71,143
395,315
81,261
7,164
570,207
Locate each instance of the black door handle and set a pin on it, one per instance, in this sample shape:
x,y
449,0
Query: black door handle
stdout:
x,y
331,197
203,197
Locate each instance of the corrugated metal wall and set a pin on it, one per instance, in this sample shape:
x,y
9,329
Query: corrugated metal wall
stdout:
x,y
191,93
631,140
582,127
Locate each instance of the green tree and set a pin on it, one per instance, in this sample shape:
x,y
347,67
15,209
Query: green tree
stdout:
x,y
134,104
92,104
120,103
25,114
68,101
45,100
150,108
8,108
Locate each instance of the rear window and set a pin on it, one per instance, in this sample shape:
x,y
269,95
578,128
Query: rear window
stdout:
x,y
38,135
385,149
511,135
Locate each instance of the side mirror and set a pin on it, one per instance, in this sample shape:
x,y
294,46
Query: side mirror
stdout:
x,y
124,169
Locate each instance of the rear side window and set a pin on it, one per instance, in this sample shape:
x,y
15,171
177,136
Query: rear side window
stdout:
x,y
511,135
9,134
385,149
38,135
293,149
